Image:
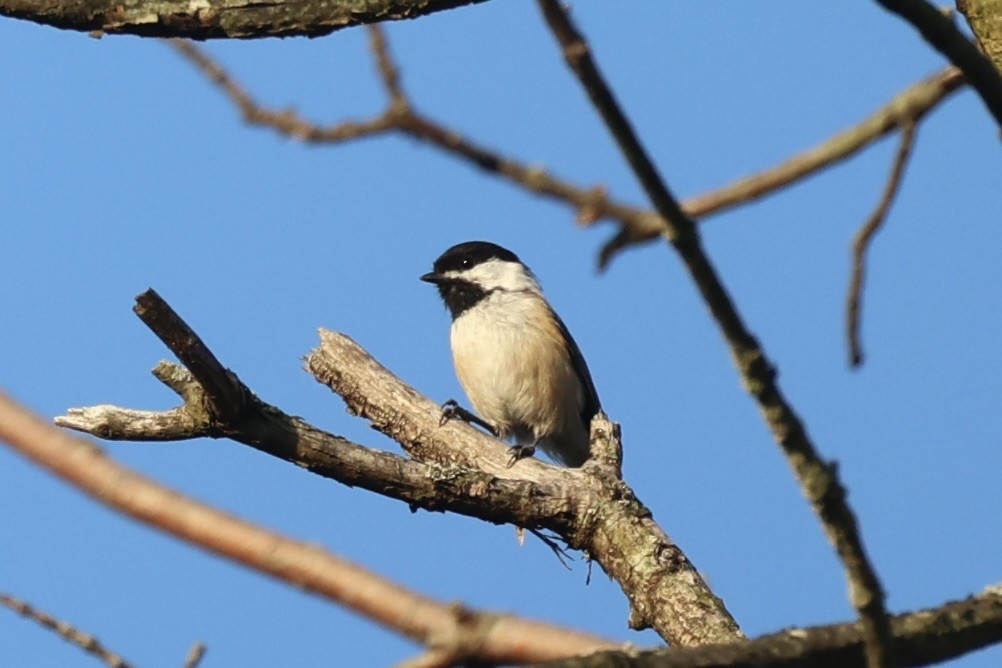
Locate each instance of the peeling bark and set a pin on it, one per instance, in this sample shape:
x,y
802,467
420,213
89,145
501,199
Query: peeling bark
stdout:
x,y
211,19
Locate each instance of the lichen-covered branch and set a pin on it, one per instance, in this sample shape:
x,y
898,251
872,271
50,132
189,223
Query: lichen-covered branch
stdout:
x,y
985,19
207,19
452,467
490,637
921,638
609,522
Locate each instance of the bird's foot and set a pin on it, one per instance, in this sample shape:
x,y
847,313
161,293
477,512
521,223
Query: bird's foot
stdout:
x,y
451,410
518,452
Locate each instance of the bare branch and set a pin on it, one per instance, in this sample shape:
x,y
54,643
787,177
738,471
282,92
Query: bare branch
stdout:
x,y
818,479
84,641
598,513
225,395
432,487
861,243
400,116
285,121
389,73
578,57
210,19
455,468
637,225
943,35
906,108
920,638
498,638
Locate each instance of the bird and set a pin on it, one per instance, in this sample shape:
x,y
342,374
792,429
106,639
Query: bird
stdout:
x,y
513,355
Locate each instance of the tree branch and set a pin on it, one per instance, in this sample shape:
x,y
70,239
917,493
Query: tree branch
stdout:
x,y
920,638
818,479
454,467
943,35
75,636
985,19
401,116
492,637
637,225
225,396
906,108
603,516
861,243
209,19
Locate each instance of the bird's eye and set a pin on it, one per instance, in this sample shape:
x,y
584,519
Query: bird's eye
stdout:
x,y
466,262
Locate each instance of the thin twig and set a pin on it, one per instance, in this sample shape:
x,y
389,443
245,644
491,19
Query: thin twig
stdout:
x,y
287,121
861,243
637,225
84,641
400,116
906,108
679,225
389,73
940,31
818,479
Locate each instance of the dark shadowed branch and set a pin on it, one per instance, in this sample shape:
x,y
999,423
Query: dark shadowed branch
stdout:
x,y
818,479
939,30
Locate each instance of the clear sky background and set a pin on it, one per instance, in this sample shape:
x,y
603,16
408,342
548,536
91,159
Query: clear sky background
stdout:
x,y
121,168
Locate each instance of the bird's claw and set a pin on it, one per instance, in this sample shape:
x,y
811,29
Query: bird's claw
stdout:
x,y
518,452
451,410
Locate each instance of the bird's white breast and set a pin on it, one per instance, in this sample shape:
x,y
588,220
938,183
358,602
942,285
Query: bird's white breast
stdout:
x,y
512,362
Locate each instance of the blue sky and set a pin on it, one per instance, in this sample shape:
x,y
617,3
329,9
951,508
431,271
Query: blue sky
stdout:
x,y
123,169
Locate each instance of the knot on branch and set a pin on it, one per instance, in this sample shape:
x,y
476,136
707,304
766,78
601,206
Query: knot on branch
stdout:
x,y
457,642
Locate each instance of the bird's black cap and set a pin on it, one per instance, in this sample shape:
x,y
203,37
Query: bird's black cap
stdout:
x,y
466,255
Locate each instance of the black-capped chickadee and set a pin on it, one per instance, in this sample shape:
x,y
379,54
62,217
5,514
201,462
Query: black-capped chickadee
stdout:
x,y
514,357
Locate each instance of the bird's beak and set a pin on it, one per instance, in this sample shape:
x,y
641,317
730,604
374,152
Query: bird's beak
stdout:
x,y
432,277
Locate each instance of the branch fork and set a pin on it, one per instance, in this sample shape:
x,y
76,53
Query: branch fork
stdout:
x,y
452,467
